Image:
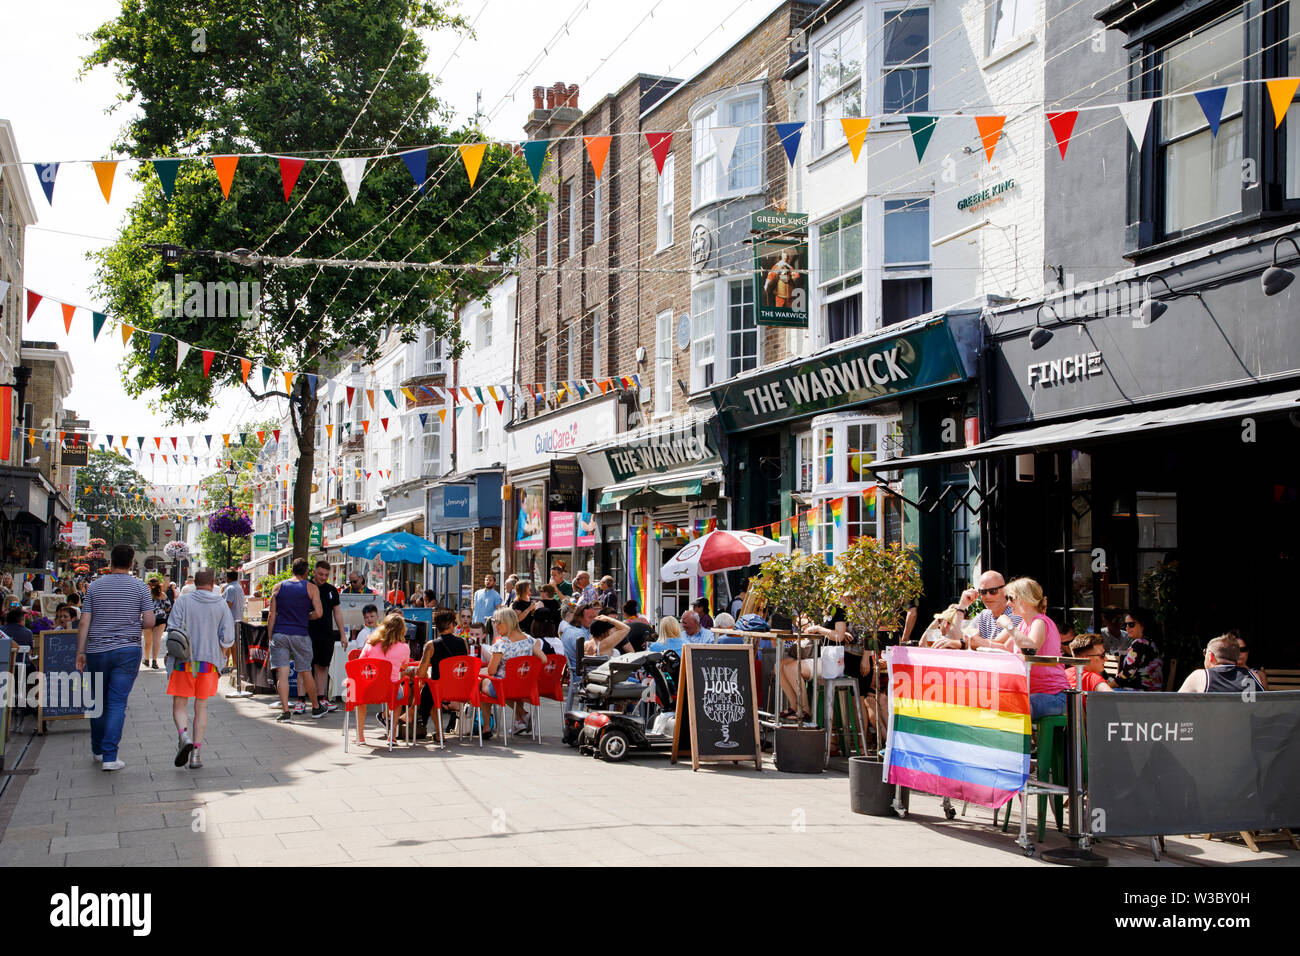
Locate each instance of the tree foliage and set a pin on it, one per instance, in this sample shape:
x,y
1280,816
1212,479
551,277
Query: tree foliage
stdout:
x,y
109,487
215,493
293,79
874,582
793,584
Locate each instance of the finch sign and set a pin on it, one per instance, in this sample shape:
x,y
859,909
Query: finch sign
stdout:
x,y
882,368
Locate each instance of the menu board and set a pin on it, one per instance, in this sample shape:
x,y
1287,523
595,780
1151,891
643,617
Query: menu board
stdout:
x,y
64,691
717,705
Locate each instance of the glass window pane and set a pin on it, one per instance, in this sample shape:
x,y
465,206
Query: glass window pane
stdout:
x,y
907,35
1203,177
826,467
851,239
1208,58
828,249
745,159
907,91
907,230
903,299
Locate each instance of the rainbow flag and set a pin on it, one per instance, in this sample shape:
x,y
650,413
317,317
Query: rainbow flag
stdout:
x,y
637,568
869,504
837,511
959,724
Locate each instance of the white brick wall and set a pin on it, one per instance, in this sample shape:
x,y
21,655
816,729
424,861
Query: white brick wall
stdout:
x,y
489,365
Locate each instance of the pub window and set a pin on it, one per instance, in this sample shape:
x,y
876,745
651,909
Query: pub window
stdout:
x,y
742,331
839,262
703,334
805,476
839,84
906,283
1202,172
664,363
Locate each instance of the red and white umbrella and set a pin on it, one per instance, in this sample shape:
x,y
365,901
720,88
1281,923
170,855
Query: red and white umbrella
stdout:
x,y
720,551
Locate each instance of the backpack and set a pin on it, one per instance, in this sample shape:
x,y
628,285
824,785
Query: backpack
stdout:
x,y
178,645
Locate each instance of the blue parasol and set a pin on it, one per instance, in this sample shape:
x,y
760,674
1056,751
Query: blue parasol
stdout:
x,y
403,547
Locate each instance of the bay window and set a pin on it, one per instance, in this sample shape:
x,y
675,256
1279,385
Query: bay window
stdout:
x,y
845,444
743,110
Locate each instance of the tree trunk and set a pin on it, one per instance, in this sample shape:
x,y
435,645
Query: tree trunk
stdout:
x,y
306,463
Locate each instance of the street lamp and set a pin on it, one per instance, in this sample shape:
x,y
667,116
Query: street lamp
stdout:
x,y
10,508
231,477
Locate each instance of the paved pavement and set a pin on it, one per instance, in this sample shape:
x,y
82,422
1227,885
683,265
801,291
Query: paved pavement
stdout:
x,y
287,794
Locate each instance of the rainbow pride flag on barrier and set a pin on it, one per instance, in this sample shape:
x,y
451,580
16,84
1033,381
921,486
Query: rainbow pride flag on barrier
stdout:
x,y
958,724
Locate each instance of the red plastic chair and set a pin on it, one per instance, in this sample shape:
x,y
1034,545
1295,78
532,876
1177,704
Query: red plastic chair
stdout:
x,y
370,681
458,683
550,684
354,653
519,683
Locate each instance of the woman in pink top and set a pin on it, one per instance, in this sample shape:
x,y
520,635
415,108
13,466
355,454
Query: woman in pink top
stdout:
x,y
389,642
1036,634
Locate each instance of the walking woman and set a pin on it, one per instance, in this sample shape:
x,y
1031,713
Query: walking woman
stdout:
x,y
162,606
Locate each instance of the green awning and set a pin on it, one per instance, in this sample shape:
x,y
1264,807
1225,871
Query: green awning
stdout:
x,y
638,493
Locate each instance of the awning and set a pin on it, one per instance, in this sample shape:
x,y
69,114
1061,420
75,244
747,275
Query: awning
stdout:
x,y
267,559
1100,429
391,523
639,491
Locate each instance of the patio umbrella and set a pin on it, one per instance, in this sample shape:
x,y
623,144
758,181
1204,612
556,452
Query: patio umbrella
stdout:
x,y
720,551
402,547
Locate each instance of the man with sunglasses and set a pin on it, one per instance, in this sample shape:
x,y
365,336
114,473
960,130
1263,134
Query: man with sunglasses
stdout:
x,y
992,590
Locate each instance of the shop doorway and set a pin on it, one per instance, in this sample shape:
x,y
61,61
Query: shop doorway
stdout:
x,y
674,596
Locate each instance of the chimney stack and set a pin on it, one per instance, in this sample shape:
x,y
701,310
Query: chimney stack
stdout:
x,y
550,98
572,98
538,93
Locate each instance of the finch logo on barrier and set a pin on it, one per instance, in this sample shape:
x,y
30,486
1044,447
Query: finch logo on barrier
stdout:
x,y
1155,731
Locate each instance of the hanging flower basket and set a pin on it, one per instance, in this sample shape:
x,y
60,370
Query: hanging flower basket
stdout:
x,y
176,550
98,543
231,520
81,569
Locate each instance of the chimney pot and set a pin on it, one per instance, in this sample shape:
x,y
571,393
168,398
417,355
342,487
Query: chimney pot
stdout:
x,y
550,98
538,93
573,96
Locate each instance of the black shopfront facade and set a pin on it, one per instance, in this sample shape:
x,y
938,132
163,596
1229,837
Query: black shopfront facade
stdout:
x,y
1151,458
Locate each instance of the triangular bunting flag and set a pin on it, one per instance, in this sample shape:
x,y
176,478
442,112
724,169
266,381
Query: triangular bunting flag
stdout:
x,y
1136,117
311,383
33,300
208,356
417,162
351,391
104,172
855,131
392,399
471,154
68,311
97,320
922,128
1212,106
276,433
501,407
384,422
990,128
1062,128
535,156
288,382
166,171
127,332
660,144
789,134
46,172
329,430
365,425
245,366
1280,94
266,376
597,152
442,415
352,170
724,138
370,397
155,340
225,166
182,350
290,169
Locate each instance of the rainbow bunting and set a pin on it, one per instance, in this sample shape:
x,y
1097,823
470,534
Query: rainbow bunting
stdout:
x,y
959,724
837,511
869,504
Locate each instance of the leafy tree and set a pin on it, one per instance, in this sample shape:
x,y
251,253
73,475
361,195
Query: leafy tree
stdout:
x,y
305,80
793,584
106,487
874,582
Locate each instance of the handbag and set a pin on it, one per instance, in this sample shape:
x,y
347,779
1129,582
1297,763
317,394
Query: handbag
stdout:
x,y
832,662
178,645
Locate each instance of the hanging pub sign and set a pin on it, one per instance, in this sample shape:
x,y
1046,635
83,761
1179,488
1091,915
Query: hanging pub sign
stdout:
x,y
780,269
566,485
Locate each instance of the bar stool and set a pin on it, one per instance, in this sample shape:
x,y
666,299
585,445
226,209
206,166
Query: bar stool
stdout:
x,y
833,690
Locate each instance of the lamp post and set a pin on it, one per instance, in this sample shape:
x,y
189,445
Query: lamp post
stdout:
x,y
231,477
10,508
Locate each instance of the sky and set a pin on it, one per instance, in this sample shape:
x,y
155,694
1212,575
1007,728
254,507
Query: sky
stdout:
x,y
60,115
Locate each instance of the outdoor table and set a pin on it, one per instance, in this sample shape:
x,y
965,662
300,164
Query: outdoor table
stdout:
x,y
779,638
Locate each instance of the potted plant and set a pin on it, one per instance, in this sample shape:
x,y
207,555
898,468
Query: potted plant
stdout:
x,y
874,583
795,584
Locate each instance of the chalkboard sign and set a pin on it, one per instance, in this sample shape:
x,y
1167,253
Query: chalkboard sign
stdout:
x,y
65,693
717,705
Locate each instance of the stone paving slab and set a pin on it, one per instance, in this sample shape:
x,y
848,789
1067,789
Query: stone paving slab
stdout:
x,y
289,795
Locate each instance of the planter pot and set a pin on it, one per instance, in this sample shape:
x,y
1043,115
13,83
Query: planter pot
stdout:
x,y
868,793
800,750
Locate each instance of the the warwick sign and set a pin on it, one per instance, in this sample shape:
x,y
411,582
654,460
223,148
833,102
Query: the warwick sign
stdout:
x,y
876,370
679,448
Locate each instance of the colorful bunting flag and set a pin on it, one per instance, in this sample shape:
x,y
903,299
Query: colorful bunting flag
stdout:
x,y
724,139
208,356
352,170
1280,94
1137,115
245,366
68,311
182,350
33,300
598,152
660,145
417,162
104,172
225,167
1062,128
166,172
855,131
789,134
155,340
127,332
46,172
97,320
290,169
471,155
535,156
922,128
990,128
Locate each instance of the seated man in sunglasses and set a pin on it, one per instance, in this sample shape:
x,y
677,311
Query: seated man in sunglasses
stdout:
x,y
992,590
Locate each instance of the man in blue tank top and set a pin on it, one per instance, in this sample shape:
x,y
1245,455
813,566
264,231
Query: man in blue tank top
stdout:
x,y
294,603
